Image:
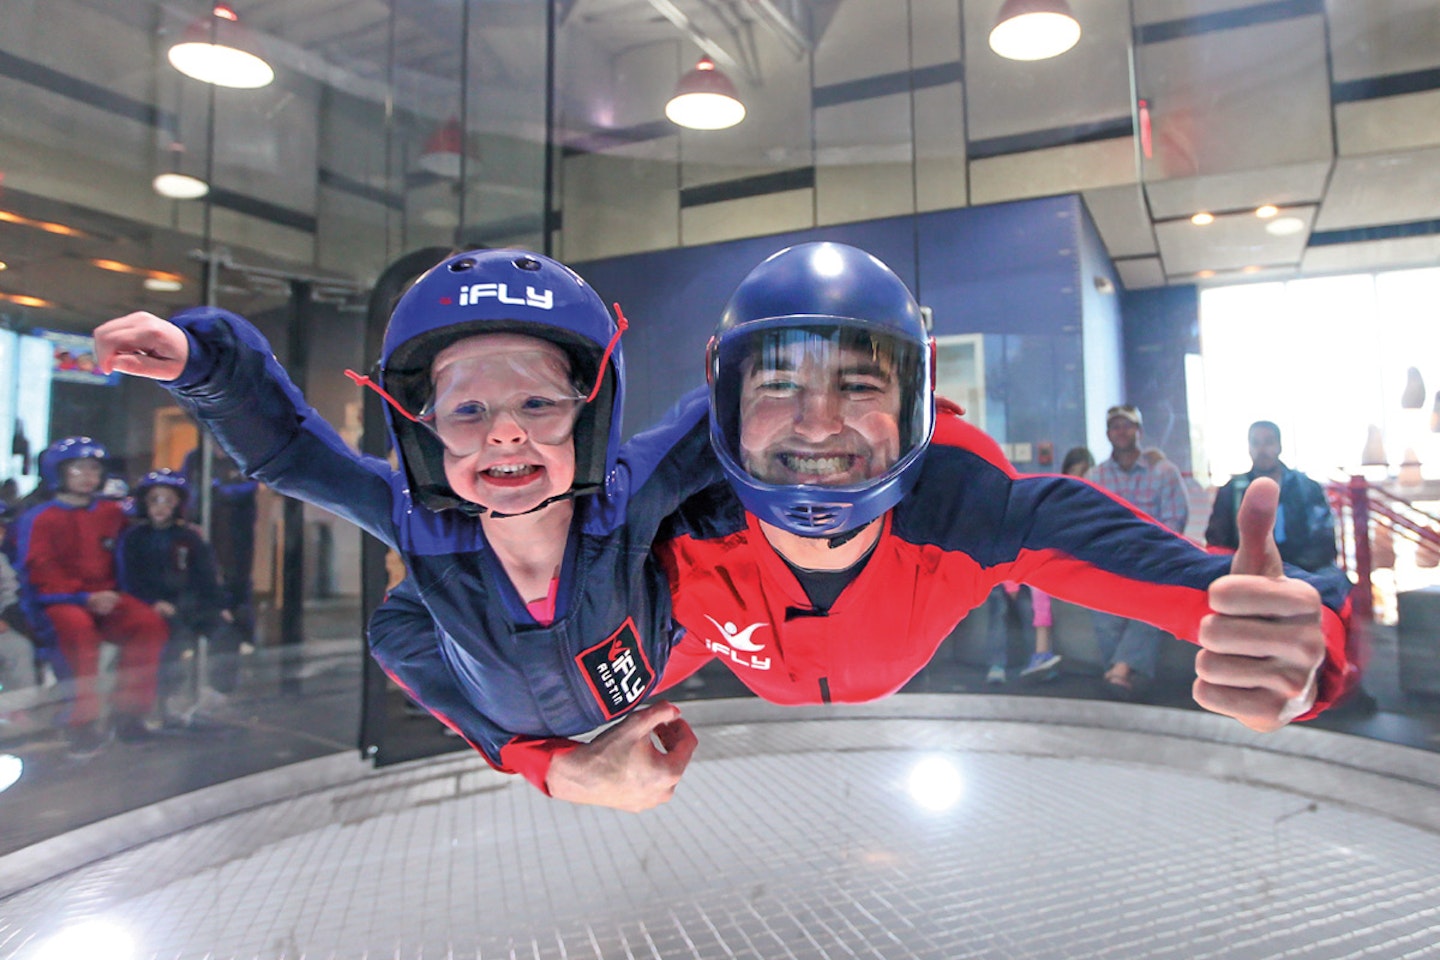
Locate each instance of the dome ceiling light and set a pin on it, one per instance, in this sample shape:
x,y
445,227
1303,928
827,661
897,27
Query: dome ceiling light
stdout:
x,y
1034,29
705,99
217,49
180,186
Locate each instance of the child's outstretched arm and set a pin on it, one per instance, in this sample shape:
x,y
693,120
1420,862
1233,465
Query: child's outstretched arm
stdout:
x,y
221,370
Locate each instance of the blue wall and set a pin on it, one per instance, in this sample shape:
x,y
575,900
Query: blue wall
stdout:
x,y
1011,272
1161,327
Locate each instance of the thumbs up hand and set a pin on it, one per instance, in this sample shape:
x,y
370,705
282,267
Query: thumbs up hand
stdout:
x,y
1262,644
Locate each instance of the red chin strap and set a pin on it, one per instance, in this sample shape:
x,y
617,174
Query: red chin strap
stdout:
x,y
621,325
365,381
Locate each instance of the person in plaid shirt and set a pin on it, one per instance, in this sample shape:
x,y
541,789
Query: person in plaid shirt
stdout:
x,y
1129,647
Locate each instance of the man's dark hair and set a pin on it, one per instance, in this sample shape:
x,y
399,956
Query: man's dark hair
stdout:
x,y
1268,424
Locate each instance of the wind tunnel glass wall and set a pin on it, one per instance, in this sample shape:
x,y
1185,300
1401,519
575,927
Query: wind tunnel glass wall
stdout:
x,y
387,129
392,128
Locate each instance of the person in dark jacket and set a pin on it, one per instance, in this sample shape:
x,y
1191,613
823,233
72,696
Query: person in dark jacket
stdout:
x,y
1304,524
165,562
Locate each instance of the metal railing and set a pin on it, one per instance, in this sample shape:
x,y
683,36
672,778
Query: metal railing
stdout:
x,y
1363,505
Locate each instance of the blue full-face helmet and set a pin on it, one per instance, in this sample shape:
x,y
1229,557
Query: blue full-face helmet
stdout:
x,y
821,332
502,291
53,457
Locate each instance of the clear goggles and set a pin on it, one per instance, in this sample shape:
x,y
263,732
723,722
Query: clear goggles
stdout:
x,y
500,396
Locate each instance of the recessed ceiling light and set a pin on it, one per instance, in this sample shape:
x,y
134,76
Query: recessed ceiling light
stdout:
x,y
162,285
1205,274
1267,211
1285,226
4,265
25,300
1203,219
179,186
1252,268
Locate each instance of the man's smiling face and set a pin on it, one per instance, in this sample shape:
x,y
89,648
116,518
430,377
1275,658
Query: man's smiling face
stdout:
x,y
816,413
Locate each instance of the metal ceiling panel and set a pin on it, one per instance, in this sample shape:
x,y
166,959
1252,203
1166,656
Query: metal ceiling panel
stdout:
x,y
1233,100
1373,255
1402,122
1120,216
1384,189
1383,37
1233,242
934,33
1041,173
1164,11
862,42
1280,185
1140,273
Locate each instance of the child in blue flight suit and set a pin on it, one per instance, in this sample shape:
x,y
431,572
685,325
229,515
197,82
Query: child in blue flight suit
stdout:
x,y
525,531
166,562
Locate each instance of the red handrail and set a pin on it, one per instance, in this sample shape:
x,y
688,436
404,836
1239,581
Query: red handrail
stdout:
x,y
1368,503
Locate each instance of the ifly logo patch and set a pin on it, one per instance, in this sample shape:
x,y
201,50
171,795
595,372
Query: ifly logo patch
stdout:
x,y
475,292
617,671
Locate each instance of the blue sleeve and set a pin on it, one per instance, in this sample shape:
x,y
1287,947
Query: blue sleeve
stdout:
x,y
405,641
134,573
233,385
659,469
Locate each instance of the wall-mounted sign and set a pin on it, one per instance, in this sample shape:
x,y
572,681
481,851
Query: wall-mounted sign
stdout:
x,y
74,359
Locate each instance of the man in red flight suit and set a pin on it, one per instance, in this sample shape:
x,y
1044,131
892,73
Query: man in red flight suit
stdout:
x,y
861,521
66,548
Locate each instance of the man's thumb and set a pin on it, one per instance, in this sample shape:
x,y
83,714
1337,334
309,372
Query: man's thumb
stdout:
x,y
1258,554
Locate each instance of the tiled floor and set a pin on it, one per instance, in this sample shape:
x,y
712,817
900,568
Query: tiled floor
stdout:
x,y
1046,828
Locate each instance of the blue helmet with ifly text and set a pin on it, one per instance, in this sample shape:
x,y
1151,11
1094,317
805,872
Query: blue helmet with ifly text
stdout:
x,y
501,291
822,393
61,452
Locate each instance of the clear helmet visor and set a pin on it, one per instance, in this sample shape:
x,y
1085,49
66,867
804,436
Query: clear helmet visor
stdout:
x,y
504,396
822,405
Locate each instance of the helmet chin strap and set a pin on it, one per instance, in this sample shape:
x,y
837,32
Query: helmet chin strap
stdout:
x,y
840,539
479,511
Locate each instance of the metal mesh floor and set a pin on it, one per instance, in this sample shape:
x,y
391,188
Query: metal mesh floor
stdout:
x,y
805,834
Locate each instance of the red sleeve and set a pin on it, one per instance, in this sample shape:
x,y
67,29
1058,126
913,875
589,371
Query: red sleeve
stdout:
x,y
45,563
689,655
531,758
1344,657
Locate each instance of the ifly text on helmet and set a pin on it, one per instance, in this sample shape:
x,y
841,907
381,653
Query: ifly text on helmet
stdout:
x,y
475,292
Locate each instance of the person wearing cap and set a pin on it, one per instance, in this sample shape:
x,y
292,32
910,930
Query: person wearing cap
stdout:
x,y
1129,647
860,520
71,594
525,530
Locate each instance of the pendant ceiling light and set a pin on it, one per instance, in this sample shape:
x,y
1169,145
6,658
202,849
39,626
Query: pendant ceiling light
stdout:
x,y
441,153
705,99
180,186
175,185
217,49
1034,29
